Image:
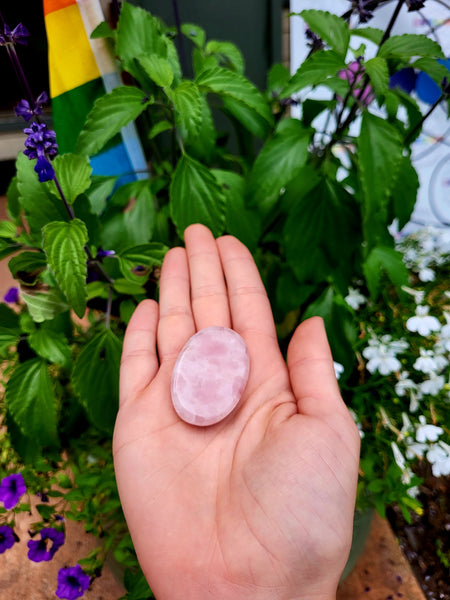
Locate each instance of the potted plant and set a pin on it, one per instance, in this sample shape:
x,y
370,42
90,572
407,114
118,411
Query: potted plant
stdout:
x,y
312,197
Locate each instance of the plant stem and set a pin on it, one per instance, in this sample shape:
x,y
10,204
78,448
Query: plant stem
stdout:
x,y
108,308
181,52
67,206
391,23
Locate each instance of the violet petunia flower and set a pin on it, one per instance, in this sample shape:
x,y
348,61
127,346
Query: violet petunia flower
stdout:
x,y
18,35
12,488
12,295
72,583
7,538
45,548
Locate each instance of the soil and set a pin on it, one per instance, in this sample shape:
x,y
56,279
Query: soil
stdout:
x,y
426,540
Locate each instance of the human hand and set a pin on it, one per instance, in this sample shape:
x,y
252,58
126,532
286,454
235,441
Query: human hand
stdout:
x,y
260,505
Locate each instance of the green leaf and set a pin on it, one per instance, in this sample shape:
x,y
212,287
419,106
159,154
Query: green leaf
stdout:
x,y
314,71
247,116
202,145
312,108
368,33
7,229
187,103
277,78
409,45
27,266
279,161
145,255
138,33
323,220
103,30
74,175
135,224
330,28
404,193
378,71
383,258
196,197
51,345
13,204
228,54
125,286
380,151
433,68
64,246
109,114
9,328
158,69
43,306
32,403
194,33
7,248
96,379
39,204
158,128
99,191
241,222
227,83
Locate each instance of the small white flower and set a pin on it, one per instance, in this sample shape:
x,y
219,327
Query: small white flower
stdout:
x,y
427,274
415,396
338,369
354,298
407,425
419,295
439,457
381,355
426,432
383,363
404,384
429,362
398,456
433,385
423,323
414,449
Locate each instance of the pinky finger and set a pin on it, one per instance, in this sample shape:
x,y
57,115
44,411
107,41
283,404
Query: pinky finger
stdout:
x,y
139,363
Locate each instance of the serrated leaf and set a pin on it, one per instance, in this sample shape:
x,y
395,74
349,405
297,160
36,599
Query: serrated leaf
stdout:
x,y
7,229
241,222
187,103
404,193
74,175
43,306
410,44
138,33
228,54
228,83
380,151
109,114
32,403
64,246
157,68
378,72
330,28
51,345
9,327
196,197
27,266
195,33
368,33
39,205
125,286
314,71
144,255
383,258
96,379
279,161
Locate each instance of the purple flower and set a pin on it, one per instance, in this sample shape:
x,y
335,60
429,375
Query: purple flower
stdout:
x,y
360,8
24,109
72,582
7,538
12,295
45,548
41,141
17,36
102,253
12,487
44,169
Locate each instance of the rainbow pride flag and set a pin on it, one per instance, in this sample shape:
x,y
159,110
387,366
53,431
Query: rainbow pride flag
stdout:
x,y
81,70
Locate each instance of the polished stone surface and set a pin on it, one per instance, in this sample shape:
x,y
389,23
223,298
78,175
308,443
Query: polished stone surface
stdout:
x,y
210,376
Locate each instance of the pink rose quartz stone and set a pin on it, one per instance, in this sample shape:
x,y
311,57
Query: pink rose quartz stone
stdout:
x,y
210,375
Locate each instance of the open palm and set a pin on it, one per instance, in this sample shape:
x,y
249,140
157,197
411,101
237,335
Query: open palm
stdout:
x,y
261,504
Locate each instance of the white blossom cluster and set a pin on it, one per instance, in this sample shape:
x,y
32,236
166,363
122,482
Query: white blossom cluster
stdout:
x,y
416,363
